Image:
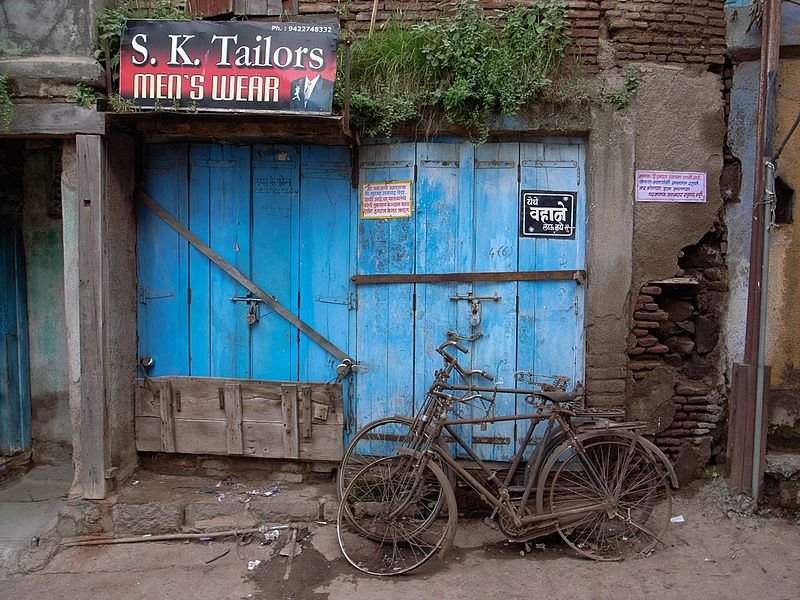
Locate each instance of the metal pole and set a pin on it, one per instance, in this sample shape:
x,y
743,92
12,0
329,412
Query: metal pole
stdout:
x,y
764,196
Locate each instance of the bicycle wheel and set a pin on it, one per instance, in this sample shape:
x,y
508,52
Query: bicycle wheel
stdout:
x,y
629,488
391,519
375,440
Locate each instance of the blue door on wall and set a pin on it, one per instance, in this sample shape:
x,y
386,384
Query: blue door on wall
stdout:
x,y
15,410
281,215
287,217
466,219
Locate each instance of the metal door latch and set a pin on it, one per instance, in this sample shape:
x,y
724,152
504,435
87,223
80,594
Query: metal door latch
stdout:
x,y
475,305
253,304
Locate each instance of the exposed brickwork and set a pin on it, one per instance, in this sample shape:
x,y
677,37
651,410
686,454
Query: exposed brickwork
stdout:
x,y
667,31
583,15
676,327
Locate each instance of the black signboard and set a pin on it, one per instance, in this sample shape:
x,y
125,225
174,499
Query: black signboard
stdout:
x,y
229,65
547,214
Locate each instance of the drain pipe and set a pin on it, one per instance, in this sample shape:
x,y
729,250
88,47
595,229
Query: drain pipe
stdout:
x,y
759,444
755,336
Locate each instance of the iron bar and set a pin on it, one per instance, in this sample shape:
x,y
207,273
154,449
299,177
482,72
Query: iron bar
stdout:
x,y
577,275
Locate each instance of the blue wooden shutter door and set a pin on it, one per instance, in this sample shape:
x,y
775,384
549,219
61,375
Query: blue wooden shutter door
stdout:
x,y
276,183
163,287
294,238
15,407
466,219
385,320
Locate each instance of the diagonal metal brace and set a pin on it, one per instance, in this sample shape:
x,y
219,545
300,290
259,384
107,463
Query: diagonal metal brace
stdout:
x,y
241,279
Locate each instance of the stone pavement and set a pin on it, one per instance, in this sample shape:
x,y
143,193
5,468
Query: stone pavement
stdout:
x,y
28,515
715,553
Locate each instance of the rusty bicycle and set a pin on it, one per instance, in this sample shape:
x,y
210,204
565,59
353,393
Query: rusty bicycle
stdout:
x,y
602,486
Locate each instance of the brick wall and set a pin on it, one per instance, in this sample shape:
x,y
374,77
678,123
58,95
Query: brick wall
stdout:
x,y
667,31
674,356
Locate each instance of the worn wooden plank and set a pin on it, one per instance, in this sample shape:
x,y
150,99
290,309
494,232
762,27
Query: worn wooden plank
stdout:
x,y
740,432
202,428
306,419
167,421
291,441
468,277
233,414
95,451
261,440
261,400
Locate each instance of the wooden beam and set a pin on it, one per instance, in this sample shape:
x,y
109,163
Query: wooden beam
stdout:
x,y
167,421
233,418
61,120
95,449
291,441
305,398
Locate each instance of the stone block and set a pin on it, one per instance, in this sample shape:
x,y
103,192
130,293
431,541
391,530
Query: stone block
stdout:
x,y
281,509
140,519
203,510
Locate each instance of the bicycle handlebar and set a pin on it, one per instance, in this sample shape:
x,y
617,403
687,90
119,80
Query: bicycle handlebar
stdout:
x,y
462,371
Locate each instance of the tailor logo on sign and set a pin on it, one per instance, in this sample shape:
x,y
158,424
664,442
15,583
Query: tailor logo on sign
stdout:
x,y
229,66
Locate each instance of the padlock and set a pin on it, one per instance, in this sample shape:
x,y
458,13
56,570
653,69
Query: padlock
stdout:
x,y
252,314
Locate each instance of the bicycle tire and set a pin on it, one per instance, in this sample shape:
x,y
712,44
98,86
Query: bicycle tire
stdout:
x,y
377,439
389,522
630,487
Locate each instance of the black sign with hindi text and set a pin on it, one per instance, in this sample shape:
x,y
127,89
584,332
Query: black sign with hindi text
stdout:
x,y
547,214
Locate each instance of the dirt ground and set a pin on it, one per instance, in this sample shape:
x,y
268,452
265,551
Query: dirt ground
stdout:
x,y
721,551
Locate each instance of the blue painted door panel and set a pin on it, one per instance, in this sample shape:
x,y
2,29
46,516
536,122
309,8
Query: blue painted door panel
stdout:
x,y
219,213
385,320
276,185
15,407
466,219
327,243
280,214
163,286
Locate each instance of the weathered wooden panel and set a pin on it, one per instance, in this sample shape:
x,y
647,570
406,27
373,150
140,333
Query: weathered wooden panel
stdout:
x,y
268,419
233,418
291,439
95,451
167,422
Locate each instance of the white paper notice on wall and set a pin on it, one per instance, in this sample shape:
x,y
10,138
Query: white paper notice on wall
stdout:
x,y
670,186
386,200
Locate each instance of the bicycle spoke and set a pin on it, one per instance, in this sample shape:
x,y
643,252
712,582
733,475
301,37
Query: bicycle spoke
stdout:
x,y
391,519
614,473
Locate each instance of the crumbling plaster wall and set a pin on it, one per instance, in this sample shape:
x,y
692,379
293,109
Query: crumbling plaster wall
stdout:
x,y
680,126
50,421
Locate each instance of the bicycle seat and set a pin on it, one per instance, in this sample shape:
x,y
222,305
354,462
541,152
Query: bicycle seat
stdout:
x,y
557,397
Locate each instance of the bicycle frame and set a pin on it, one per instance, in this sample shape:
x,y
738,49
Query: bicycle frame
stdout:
x,y
432,421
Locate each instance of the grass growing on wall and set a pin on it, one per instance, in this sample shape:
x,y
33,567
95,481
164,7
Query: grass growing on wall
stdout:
x,y
6,106
465,67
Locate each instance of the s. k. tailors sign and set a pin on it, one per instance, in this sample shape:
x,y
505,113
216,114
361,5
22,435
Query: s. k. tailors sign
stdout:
x,y
231,66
